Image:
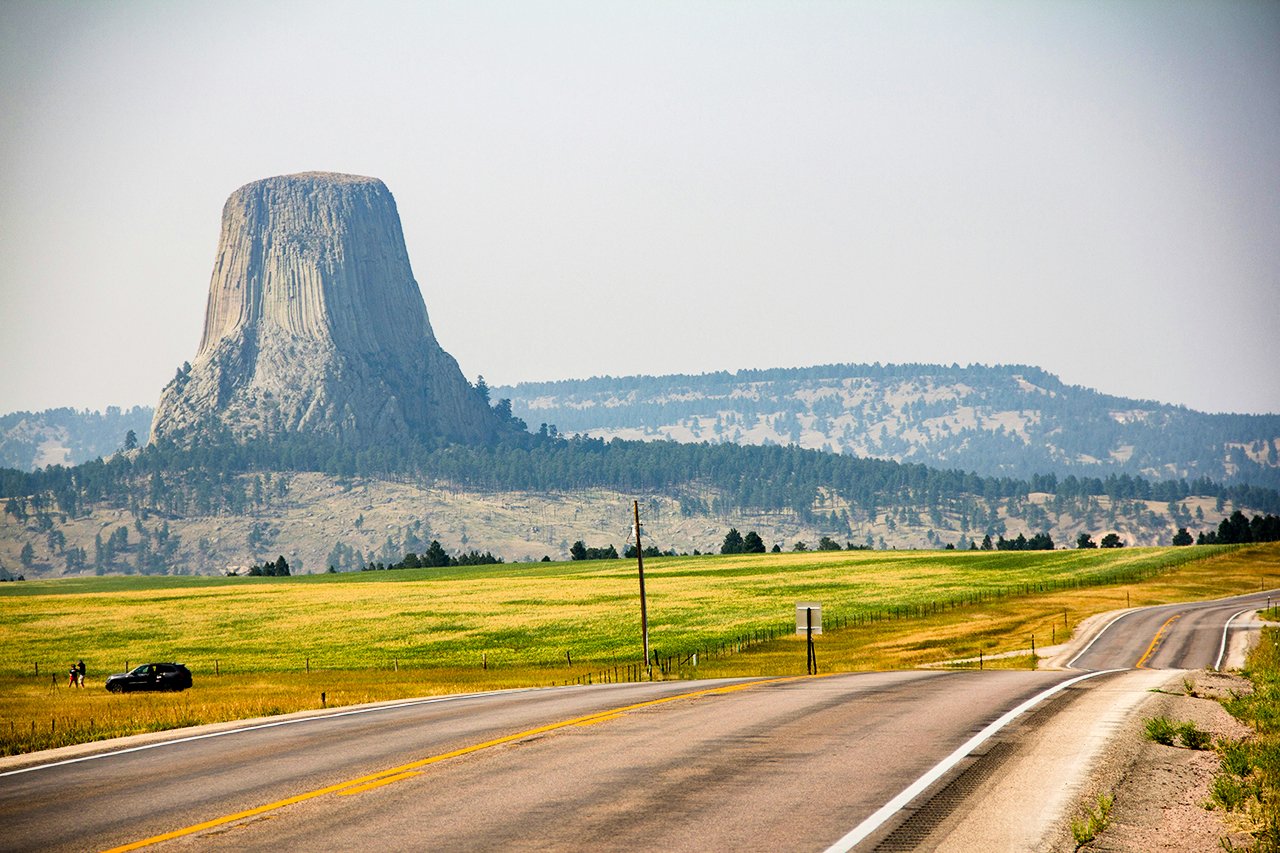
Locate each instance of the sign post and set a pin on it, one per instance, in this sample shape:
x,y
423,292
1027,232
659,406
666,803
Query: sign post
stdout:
x,y
809,622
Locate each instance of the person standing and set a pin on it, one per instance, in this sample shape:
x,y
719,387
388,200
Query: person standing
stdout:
x,y
73,676
80,673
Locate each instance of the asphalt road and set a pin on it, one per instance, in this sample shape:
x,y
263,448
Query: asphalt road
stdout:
x,y
1172,636
791,764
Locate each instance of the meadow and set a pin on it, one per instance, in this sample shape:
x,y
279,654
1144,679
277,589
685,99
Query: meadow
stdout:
x,y
264,646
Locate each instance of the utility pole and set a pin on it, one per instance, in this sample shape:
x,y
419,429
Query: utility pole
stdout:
x,y
644,613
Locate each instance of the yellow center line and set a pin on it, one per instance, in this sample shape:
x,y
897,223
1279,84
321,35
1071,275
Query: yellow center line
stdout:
x,y
374,780
346,792
1151,649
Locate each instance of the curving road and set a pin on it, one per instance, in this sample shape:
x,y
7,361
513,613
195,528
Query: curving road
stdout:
x,y
1191,635
803,763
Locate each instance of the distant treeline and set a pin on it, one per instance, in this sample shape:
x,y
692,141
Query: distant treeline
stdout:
x,y
580,551
1236,529
271,569
201,478
434,557
724,379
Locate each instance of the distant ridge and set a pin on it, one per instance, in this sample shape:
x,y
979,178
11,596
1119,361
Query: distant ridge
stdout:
x,y
66,436
1003,420
221,501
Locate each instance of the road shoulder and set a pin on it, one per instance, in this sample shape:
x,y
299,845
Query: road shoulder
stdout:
x,y
1161,792
1050,768
1095,744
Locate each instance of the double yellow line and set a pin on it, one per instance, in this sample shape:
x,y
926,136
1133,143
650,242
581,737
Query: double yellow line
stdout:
x,y
413,768
1155,643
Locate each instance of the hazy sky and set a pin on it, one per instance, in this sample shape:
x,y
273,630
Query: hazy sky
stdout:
x,y
600,187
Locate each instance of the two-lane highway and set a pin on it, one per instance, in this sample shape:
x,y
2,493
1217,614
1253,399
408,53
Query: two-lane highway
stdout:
x,y
1191,635
806,763
789,764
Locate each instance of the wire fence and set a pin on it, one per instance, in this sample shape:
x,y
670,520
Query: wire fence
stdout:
x,y
668,663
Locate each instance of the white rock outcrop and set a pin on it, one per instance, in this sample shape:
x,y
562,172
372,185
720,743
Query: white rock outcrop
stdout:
x,y
316,324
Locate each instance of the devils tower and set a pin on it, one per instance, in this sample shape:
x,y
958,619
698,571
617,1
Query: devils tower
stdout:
x,y
315,324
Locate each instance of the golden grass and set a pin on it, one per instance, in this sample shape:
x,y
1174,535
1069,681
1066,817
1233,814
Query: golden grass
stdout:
x,y
526,615
378,636
40,716
1009,624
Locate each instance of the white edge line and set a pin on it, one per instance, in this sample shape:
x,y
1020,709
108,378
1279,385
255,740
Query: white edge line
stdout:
x,y
872,823
1225,628
1071,663
270,725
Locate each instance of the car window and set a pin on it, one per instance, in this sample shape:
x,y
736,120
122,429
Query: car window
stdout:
x,y
140,670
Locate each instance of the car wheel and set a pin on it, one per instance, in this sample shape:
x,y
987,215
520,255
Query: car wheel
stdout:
x,y
115,688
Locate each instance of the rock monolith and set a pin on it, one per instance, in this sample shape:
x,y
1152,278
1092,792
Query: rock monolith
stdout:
x,y
316,324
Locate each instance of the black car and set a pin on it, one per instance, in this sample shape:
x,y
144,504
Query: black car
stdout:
x,y
151,676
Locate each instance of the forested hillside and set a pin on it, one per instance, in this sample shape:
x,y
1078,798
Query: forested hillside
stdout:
x,y
789,454
218,502
68,436
1011,420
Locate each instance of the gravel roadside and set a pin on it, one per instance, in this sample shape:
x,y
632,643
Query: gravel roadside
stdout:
x,y
1161,792
1095,745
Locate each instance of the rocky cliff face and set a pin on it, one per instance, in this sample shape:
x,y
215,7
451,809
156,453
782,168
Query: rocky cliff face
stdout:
x,y
315,324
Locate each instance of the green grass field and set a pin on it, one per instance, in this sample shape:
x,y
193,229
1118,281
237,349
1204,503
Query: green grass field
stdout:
x,y
521,615
276,643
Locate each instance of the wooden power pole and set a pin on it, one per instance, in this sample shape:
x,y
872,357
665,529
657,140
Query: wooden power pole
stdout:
x,y
644,613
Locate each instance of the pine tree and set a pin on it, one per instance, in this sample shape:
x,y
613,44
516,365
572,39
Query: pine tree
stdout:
x,y
435,556
733,542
